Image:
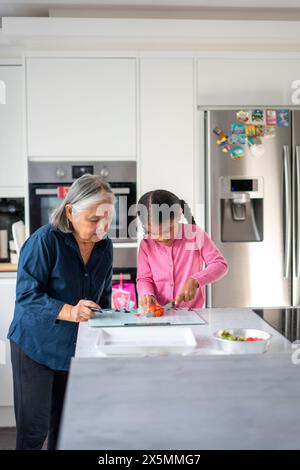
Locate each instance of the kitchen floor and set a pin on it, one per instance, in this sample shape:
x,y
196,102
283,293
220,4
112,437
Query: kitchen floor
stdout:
x,y
8,439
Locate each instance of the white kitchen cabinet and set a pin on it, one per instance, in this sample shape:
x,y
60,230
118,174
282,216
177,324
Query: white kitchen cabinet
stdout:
x,y
251,81
7,296
167,126
11,133
81,108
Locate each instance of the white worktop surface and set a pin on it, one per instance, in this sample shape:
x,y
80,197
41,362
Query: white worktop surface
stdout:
x,y
215,318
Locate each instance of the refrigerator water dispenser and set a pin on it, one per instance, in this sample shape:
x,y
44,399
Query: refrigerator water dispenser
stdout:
x,y
241,209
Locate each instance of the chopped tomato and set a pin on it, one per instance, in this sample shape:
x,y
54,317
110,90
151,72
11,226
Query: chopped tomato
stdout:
x,y
159,312
253,339
156,310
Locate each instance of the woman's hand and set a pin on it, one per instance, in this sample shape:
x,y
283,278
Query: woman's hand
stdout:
x,y
77,313
82,312
146,301
188,291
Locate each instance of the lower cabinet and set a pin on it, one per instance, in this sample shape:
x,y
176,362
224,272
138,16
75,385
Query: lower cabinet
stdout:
x,y
7,296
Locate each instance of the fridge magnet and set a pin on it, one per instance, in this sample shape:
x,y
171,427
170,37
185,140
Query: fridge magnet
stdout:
x,y
225,147
250,141
238,128
221,140
236,139
237,153
233,139
271,117
283,117
257,150
243,116
258,116
269,131
219,132
259,131
250,130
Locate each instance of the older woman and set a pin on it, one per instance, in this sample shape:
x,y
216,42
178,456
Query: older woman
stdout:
x,y
65,268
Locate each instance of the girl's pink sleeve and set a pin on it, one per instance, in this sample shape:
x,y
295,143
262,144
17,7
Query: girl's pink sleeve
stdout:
x,y
145,282
216,265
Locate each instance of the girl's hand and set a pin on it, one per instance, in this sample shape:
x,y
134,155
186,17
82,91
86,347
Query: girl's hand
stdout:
x,y
146,301
188,291
82,312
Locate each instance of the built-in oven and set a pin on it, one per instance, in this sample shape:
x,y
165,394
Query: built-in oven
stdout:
x,y
49,181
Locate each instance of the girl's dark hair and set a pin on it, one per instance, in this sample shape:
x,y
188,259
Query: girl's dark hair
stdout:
x,y
161,198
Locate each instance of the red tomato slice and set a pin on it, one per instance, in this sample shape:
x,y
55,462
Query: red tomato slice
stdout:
x,y
159,312
155,310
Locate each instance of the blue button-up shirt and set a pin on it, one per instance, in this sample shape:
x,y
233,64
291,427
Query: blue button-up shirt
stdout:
x,y
51,273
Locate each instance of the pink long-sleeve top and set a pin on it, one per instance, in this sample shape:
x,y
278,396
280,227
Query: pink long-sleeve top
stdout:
x,y
163,270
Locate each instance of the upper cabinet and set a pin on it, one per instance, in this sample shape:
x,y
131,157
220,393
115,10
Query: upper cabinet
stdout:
x,y
242,82
81,108
11,132
167,126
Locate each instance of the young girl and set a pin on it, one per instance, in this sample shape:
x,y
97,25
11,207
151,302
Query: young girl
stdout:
x,y
172,254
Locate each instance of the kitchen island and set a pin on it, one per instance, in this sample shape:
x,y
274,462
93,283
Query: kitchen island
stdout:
x,y
215,319
205,400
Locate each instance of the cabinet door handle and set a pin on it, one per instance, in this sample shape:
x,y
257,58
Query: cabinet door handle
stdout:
x,y
287,210
297,211
46,192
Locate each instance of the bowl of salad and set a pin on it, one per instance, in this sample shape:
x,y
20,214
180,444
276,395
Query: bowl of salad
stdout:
x,y
243,340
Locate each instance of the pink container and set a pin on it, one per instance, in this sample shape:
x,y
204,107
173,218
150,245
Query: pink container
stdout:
x,y
123,295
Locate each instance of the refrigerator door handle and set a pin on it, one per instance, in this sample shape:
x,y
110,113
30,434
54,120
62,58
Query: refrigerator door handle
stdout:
x,y
297,202
287,210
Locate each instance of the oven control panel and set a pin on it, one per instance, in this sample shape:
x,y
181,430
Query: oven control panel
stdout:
x,y
79,170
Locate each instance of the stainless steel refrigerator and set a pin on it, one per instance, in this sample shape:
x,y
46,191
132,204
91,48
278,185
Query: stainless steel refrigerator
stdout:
x,y
253,207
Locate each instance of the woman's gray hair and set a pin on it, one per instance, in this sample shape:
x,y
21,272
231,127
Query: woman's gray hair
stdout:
x,y
85,192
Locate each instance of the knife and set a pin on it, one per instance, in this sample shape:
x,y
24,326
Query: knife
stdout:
x,y
169,305
110,310
96,309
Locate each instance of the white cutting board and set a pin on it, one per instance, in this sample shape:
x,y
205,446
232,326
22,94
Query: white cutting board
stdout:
x,y
180,316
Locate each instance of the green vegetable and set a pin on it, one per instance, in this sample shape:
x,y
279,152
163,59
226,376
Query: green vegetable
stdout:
x,y
224,334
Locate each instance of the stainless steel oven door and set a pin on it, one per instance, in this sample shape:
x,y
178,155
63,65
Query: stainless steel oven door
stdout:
x,y
119,226
44,199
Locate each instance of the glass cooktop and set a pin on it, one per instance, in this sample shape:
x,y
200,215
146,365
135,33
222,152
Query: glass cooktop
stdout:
x,y
284,320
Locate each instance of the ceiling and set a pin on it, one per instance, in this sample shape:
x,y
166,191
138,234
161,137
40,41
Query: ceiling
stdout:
x,y
137,7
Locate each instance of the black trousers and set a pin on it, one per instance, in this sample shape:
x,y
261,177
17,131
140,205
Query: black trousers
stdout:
x,y
38,398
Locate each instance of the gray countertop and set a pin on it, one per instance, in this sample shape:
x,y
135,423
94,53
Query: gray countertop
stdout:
x,y
195,402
